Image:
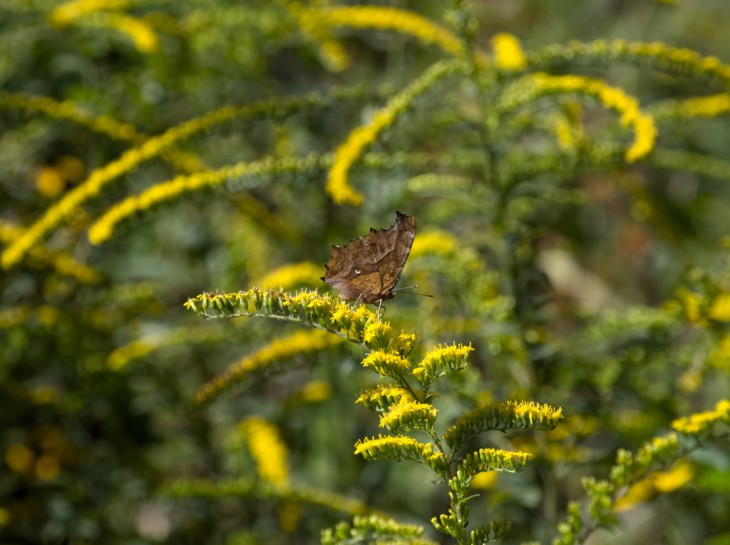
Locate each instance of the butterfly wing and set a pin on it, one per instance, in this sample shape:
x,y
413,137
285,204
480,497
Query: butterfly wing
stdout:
x,y
369,267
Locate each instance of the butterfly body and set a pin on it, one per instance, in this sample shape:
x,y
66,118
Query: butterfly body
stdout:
x,y
368,268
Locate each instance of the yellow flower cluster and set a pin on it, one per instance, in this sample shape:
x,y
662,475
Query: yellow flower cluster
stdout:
x,y
702,422
71,111
434,242
68,12
301,342
129,160
424,413
144,38
536,412
352,148
384,18
381,395
103,228
612,98
372,447
139,348
441,360
657,482
385,363
63,263
377,333
96,12
267,449
508,53
708,106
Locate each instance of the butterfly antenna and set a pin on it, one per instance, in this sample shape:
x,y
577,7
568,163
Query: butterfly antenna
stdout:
x,y
402,290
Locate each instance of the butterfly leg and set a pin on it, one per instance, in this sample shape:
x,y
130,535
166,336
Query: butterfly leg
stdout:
x,y
381,309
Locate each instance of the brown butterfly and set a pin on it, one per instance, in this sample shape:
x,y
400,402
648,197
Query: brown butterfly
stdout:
x,y
369,267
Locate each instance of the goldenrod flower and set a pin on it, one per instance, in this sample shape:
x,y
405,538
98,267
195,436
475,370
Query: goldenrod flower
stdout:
x,y
385,18
68,12
656,482
720,308
434,242
386,364
267,449
104,227
62,262
301,342
141,34
701,422
130,159
349,151
508,53
49,182
612,98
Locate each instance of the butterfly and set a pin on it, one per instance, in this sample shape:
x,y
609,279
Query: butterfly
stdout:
x,y
368,268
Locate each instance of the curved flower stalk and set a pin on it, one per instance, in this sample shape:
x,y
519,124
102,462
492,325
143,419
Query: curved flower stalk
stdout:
x,y
404,400
350,151
104,14
154,147
63,263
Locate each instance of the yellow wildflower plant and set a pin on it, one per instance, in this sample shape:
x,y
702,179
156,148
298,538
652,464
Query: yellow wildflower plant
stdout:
x,y
704,422
405,416
267,449
102,13
63,263
152,147
441,361
277,350
337,186
434,242
611,98
384,18
103,228
68,12
508,54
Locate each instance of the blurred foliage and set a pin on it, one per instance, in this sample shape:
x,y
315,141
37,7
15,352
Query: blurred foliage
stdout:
x,y
571,200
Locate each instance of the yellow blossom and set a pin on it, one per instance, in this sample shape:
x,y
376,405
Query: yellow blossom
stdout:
x,y
388,19
701,422
63,263
104,227
720,308
68,12
267,449
141,34
485,480
300,342
348,152
315,391
385,363
372,446
49,182
508,53
377,332
613,98
130,159
656,482
434,242
402,411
